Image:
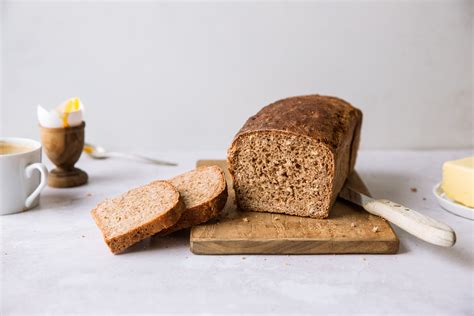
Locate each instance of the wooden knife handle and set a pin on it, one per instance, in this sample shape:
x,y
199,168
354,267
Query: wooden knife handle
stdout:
x,y
417,224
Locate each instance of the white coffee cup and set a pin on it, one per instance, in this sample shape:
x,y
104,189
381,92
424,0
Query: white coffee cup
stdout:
x,y
20,185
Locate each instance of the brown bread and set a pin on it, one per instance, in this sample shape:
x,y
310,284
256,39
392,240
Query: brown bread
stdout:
x,y
138,214
294,155
204,191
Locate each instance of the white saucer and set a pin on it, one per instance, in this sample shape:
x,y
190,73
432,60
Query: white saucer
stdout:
x,y
452,206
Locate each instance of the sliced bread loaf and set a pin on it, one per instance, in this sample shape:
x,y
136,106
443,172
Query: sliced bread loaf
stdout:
x,y
204,191
294,155
138,214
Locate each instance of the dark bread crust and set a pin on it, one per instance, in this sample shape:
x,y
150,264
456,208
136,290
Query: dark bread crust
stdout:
x,y
326,120
201,213
163,221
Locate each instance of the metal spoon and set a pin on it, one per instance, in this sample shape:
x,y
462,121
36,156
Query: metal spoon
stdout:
x,y
98,152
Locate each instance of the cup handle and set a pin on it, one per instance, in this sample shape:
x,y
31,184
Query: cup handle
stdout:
x,y
44,180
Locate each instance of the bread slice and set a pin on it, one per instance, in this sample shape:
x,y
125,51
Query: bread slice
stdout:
x,y
204,191
294,155
138,214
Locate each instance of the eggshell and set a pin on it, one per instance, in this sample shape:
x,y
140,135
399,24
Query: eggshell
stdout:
x,y
56,118
48,119
75,118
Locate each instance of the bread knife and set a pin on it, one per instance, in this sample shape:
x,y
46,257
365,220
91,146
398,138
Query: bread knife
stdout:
x,y
417,224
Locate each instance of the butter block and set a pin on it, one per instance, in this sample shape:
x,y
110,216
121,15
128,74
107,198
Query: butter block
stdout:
x,y
458,180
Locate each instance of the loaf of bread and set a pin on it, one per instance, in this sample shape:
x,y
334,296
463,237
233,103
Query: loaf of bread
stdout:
x,y
204,191
138,214
294,155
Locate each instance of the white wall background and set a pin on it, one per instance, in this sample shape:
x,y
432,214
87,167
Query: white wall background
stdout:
x,y
178,76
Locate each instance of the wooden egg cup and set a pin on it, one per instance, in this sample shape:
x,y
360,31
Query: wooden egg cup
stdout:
x,y
64,146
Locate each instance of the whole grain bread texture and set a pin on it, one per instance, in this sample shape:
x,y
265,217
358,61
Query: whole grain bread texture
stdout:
x,y
138,214
294,155
204,191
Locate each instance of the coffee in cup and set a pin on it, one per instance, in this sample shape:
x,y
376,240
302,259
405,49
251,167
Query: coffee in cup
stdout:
x,y
7,148
22,175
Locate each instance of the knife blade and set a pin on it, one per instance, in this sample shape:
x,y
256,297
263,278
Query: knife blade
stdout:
x,y
413,222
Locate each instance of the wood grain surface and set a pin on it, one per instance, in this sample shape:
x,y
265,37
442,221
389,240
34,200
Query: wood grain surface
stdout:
x,y
63,146
349,229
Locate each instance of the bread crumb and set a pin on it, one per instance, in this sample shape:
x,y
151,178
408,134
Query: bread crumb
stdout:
x,y
264,259
413,189
245,219
89,194
243,258
375,229
364,259
424,199
353,225
83,236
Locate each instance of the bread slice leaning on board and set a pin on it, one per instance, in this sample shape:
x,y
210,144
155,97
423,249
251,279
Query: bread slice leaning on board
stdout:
x,y
161,207
204,191
138,214
294,155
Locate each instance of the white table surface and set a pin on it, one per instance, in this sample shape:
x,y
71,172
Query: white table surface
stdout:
x,y
54,260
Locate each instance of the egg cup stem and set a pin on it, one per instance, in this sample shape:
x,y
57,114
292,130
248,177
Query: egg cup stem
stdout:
x,y
59,178
63,146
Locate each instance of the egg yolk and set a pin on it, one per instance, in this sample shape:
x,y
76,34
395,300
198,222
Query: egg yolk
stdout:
x,y
71,106
88,149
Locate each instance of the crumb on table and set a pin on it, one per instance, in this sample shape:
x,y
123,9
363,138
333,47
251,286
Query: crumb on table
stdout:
x,y
413,189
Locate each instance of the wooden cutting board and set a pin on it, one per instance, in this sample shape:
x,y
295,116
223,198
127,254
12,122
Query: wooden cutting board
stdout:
x,y
349,229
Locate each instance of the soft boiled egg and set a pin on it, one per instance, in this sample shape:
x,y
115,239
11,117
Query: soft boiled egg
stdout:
x,y
69,113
